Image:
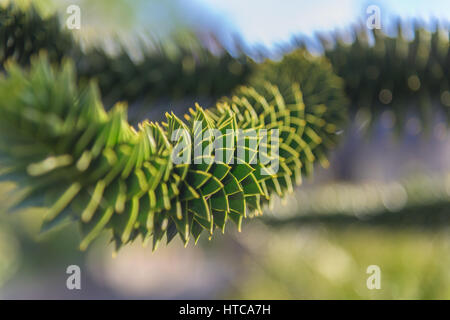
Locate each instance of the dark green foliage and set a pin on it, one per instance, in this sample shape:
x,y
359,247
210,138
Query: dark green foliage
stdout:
x,y
190,72
421,201
66,153
398,74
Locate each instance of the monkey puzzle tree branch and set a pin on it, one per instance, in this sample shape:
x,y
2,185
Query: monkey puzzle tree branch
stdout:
x,y
421,201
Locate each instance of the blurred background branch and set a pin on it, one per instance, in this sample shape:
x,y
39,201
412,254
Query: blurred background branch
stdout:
x,y
422,201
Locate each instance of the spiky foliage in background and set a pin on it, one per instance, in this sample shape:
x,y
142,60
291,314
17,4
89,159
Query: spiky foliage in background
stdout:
x,y
321,89
93,167
191,72
121,179
401,75
420,201
406,76
23,33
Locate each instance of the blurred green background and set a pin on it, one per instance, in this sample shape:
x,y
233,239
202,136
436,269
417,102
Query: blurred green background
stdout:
x,y
383,201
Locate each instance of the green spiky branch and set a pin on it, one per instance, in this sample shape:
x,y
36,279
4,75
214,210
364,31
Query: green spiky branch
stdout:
x,y
394,73
190,71
420,201
67,154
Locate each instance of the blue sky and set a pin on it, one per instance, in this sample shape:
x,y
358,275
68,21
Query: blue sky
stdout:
x,y
272,21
